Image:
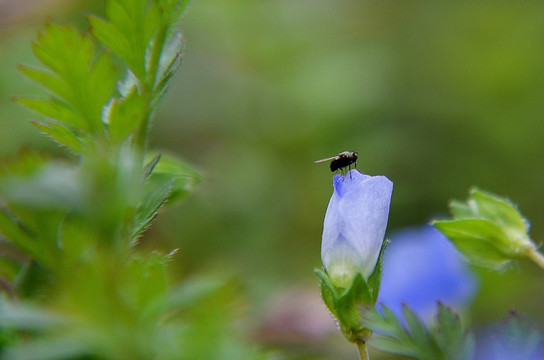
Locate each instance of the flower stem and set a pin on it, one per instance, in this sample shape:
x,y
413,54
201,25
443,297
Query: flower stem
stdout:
x,y
363,353
537,257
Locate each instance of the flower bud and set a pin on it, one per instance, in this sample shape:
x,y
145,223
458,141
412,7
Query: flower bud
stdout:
x,y
354,226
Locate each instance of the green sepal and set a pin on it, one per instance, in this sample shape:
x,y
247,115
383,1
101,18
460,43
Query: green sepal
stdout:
x,y
346,305
375,279
328,291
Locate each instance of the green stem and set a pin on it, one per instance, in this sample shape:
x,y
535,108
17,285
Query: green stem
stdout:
x,y
537,257
363,353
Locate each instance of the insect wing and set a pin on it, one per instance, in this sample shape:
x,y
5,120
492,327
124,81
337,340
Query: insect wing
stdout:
x,y
327,159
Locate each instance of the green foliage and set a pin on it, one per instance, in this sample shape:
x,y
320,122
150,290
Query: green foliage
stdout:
x,y
516,338
143,35
345,304
71,227
488,229
446,340
89,105
81,79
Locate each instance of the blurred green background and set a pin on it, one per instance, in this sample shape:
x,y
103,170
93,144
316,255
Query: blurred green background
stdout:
x,y
438,96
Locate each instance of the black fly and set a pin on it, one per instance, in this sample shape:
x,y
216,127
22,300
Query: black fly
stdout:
x,y
342,160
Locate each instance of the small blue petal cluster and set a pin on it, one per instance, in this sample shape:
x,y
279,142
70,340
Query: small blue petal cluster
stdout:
x,y
420,268
354,226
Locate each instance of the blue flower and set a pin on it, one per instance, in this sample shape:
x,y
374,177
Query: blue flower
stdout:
x,y
420,268
517,338
354,226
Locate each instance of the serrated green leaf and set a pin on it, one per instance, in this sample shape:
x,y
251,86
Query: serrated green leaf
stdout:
x,y
126,33
55,109
126,115
49,80
83,80
150,166
156,195
391,336
170,59
184,177
479,240
102,80
415,327
451,336
113,38
61,135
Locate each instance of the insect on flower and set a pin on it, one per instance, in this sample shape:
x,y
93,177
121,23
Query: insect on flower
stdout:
x,y
342,160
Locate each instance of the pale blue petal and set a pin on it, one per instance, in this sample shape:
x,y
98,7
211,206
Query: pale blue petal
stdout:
x,y
355,221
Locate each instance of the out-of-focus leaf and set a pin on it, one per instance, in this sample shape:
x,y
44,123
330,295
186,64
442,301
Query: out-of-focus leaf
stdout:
x,y
111,37
54,109
126,32
81,79
151,165
451,335
12,230
194,290
183,176
50,81
145,285
156,194
477,239
61,135
9,268
126,115
489,230
447,340
33,280
48,349
25,317
55,186
169,62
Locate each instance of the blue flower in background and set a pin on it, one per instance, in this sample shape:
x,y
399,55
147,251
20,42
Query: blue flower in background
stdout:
x,y
354,226
420,268
516,338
